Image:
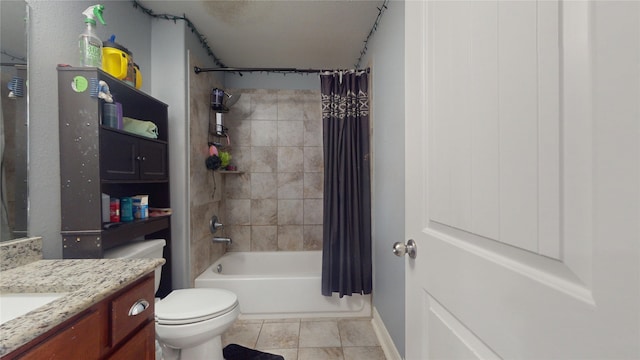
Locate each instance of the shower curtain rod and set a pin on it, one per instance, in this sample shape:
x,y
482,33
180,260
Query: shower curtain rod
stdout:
x,y
198,70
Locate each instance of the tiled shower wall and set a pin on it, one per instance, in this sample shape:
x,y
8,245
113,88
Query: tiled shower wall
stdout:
x,y
205,193
276,141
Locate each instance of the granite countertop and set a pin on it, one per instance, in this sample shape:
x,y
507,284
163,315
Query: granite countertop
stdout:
x,y
87,282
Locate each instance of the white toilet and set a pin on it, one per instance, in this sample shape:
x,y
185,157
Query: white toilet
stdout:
x,y
189,322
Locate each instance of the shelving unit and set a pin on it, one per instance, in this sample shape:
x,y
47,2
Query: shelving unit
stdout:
x,y
96,159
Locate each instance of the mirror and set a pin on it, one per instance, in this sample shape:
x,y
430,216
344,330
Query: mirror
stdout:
x,y
13,120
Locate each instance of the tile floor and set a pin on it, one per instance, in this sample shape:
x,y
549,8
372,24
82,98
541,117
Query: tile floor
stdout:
x,y
308,339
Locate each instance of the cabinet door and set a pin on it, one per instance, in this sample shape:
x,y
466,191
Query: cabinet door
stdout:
x,y
141,346
81,340
118,156
153,160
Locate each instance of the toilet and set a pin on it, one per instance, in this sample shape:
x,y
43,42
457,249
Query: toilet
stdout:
x,y
189,322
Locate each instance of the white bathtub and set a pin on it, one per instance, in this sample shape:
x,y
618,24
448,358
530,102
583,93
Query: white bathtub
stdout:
x,y
280,284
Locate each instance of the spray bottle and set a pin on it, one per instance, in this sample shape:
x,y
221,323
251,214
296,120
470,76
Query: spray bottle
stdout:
x,y
89,43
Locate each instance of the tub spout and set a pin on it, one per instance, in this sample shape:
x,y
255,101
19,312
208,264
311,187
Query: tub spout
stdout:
x,y
226,240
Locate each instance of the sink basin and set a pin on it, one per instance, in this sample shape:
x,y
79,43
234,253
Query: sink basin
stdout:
x,y
13,305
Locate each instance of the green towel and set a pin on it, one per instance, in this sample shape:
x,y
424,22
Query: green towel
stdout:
x,y
140,127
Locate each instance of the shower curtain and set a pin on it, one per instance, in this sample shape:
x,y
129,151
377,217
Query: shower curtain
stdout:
x,y
346,256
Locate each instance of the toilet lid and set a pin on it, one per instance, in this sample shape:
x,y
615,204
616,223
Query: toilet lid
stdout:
x,y
191,305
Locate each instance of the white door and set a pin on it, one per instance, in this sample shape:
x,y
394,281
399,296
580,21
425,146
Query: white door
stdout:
x,y
523,179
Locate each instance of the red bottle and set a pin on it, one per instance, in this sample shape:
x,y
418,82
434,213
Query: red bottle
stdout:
x,y
114,210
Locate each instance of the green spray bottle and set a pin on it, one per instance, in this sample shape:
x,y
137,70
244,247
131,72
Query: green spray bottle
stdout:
x,y
90,45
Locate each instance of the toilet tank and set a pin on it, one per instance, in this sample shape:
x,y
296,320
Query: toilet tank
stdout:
x,y
139,250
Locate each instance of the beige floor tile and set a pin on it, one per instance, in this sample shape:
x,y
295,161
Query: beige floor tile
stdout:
x,y
319,334
279,336
332,353
357,333
243,333
308,338
287,354
281,320
363,353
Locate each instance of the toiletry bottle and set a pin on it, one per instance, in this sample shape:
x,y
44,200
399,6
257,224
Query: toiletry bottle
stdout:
x,y
89,43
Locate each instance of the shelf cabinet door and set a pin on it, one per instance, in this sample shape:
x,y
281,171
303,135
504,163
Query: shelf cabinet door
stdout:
x,y
118,156
153,160
126,157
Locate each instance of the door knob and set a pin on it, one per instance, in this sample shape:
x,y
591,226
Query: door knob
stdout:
x,y
400,249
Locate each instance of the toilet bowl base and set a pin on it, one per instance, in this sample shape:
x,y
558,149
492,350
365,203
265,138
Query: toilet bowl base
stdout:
x,y
210,350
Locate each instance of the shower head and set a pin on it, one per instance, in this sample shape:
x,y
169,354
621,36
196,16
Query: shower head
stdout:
x,y
231,99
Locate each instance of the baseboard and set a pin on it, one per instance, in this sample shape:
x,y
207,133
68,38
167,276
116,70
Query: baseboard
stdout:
x,y
389,348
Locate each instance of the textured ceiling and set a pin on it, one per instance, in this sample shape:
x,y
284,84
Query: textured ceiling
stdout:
x,y
300,34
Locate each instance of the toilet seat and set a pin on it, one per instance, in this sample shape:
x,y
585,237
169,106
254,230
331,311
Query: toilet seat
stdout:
x,y
186,306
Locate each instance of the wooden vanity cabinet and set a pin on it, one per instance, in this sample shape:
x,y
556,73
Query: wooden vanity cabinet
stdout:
x,y
104,331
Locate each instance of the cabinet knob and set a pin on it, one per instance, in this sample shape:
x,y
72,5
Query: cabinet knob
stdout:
x,y
138,158
144,158
139,306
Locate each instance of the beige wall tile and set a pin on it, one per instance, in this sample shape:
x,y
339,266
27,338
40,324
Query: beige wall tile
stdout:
x,y
264,186
264,133
290,133
276,138
290,237
313,132
264,105
290,159
241,110
313,185
264,238
290,105
203,202
290,185
264,212
241,236
238,212
312,105
241,157
239,131
290,212
312,237
264,159
313,211
237,186
313,159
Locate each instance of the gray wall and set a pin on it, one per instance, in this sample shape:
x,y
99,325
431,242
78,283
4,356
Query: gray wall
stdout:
x,y
272,81
386,57
171,86
53,39
171,72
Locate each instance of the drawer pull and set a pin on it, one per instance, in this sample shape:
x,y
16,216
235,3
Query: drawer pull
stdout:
x,y
137,308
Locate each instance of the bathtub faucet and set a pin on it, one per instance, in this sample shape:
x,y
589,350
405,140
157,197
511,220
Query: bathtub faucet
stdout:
x,y
226,240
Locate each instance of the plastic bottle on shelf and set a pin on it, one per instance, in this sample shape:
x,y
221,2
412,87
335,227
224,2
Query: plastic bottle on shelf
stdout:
x,y
89,43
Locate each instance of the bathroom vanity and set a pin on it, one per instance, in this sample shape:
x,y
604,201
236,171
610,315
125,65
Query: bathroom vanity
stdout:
x,y
99,315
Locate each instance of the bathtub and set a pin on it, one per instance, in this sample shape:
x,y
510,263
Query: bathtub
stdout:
x,y
280,284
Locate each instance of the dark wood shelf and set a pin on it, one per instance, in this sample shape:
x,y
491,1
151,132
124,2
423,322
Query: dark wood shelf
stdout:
x,y
119,233
97,159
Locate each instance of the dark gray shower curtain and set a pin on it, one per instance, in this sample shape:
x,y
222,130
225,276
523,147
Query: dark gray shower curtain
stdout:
x,y
346,256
